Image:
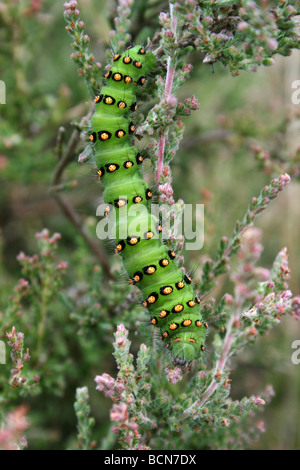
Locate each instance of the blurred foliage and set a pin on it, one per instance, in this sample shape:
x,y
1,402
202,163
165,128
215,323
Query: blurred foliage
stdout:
x,y
245,133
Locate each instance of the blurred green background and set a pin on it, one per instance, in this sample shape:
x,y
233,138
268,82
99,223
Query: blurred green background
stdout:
x,y
44,92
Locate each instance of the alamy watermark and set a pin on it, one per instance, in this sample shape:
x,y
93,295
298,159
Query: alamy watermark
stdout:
x,y
2,353
296,93
160,222
2,92
296,355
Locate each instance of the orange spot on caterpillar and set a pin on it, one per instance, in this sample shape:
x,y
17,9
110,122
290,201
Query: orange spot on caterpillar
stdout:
x,y
186,322
120,133
127,60
128,164
191,303
116,57
120,246
93,137
177,339
202,347
112,167
122,104
100,172
148,194
154,321
98,98
192,340
120,203
148,235
173,326
117,77
109,100
187,279
139,158
166,290
133,240
180,285
163,313
149,269
164,262
178,308
172,254
137,199
127,79
152,298
104,135
165,334
142,51
137,64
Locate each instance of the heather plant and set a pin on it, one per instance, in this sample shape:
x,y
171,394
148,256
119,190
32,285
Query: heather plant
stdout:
x,y
60,320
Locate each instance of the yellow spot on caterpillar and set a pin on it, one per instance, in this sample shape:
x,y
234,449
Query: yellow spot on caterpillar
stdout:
x,y
137,199
180,285
164,262
97,99
178,308
151,299
128,79
163,314
137,278
120,133
150,270
122,104
137,64
173,326
191,303
99,173
121,203
116,57
108,100
186,322
112,168
117,77
126,60
119,247
133,240
145,303
104,136
154,321
128,164
107,74
198,300
143,80
150,235
167,290
198,323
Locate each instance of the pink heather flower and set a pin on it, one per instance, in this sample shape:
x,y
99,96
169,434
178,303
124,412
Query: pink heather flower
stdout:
x,y
272,44
261,426
119,412
171,101
104,382
173,375
258,400
242,26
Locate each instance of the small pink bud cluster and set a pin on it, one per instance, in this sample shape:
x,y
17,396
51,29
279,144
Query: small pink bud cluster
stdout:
x,y
15,424
173,375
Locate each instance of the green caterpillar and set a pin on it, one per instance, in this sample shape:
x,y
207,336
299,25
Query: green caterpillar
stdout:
x,y
168,294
